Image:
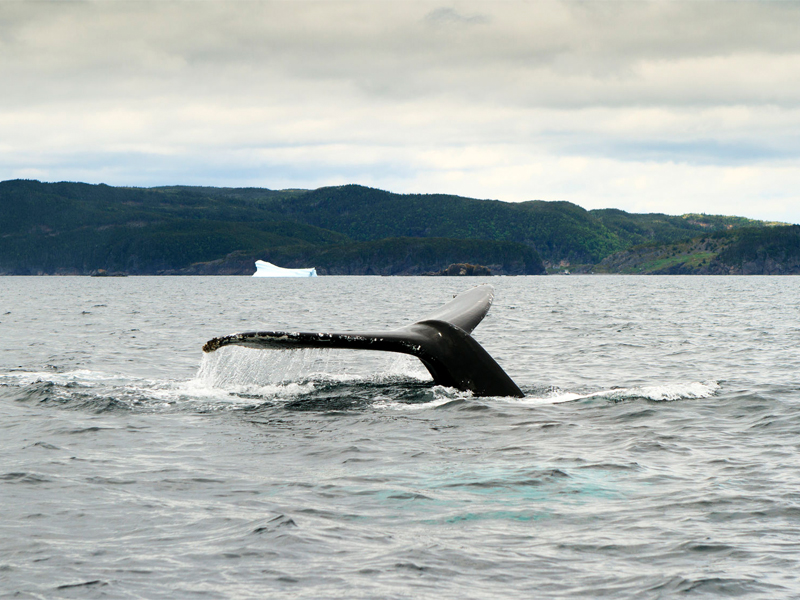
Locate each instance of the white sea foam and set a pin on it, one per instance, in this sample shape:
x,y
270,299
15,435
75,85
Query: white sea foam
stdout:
x,y
242,377
83,377
195,389
656,393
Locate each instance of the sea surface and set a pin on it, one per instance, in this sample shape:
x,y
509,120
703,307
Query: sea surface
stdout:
x,y
656,453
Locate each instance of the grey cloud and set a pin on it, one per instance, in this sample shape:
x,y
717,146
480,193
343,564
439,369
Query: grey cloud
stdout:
x,y
446,16
543,53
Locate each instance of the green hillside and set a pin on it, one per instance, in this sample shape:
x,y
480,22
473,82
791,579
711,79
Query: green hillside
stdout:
x,y
741,251
556,230
78,228
656,227
560,232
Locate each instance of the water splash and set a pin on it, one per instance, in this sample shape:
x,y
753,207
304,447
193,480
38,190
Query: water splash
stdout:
x,y
237,367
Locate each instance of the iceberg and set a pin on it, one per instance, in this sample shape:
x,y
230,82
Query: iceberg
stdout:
x,y
266,269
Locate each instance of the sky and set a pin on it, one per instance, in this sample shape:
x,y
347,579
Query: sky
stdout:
x,y
663,106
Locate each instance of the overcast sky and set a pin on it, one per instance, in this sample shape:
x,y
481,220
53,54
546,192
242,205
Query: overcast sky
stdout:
x,y
646,106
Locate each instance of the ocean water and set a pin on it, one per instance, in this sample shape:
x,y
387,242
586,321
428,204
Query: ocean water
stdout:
x,y
656,453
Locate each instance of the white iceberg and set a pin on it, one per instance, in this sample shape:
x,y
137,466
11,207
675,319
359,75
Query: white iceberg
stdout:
x,y
266,269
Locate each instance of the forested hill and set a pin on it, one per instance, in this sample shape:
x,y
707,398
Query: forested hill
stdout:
x,y
78,228
740,251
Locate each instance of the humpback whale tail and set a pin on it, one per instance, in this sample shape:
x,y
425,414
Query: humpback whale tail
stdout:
x,y
441,340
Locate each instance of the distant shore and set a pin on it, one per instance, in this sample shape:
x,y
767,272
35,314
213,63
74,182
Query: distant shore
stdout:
x,y
82,229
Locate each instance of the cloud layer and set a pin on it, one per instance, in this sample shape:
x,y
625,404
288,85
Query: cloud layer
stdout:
x,y
647,106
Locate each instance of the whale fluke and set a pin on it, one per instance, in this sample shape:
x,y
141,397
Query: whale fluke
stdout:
x,y
441,340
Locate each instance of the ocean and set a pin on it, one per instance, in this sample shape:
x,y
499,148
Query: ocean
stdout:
x,y
656,452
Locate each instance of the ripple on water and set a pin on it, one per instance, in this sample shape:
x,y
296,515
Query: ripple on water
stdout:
x,y
653,455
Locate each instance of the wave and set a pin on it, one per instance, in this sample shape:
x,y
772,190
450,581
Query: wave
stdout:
x,y
295,380
655,393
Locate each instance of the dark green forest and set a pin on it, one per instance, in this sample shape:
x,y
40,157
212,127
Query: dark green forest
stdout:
x,y
78,228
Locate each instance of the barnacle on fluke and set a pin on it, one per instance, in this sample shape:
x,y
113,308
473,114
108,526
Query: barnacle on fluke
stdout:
x,y
442,341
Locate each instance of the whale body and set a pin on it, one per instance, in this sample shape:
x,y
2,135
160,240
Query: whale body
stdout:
x,y
441,341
